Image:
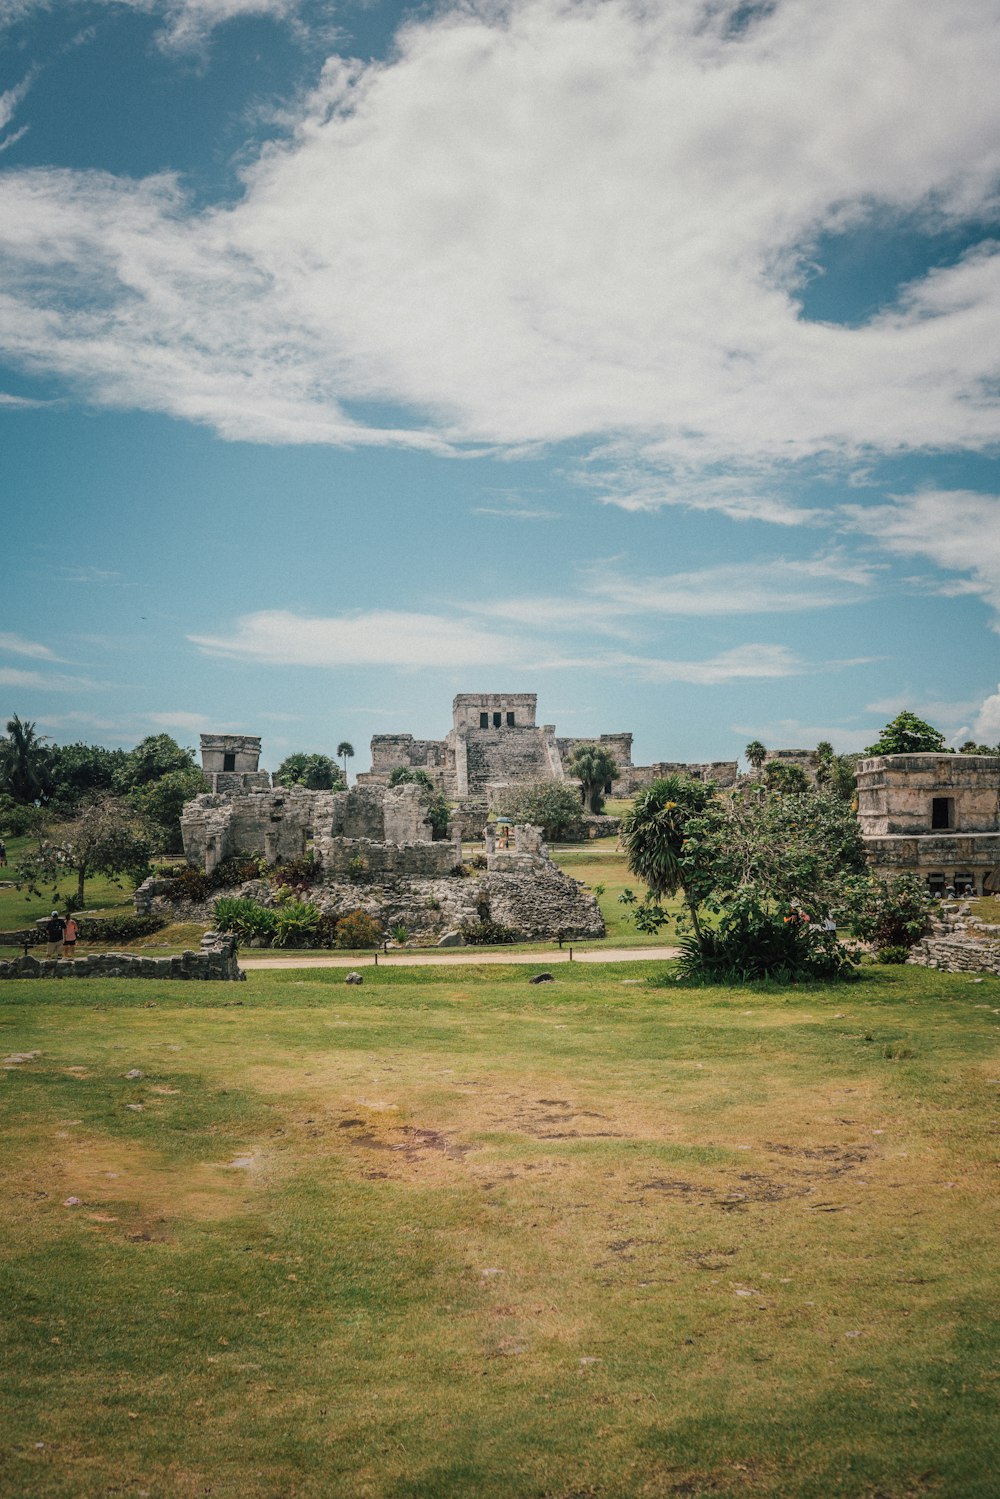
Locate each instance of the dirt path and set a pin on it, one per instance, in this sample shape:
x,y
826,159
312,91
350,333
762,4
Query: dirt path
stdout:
x,y
453,956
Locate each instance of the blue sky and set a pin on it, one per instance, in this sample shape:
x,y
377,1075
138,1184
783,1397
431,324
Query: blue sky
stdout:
x,y
356,355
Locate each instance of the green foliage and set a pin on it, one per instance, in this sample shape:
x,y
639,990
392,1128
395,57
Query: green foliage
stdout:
x,y
297,924
160,803
297,873
908,735
345,752
888,913
153,757
552,806
786,780
753,942
357,929
970,747
123,928
487,933
24,763
892,954
106,838
668,844
400,933
246,919
314,772
756,753
408,775
79,771
595,768
18,818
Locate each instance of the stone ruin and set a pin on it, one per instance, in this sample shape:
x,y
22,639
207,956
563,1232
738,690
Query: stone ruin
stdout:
x,y
229,762
375,852
936,815
495,743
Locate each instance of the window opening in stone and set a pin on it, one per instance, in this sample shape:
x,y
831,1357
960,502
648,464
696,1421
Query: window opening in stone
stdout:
x,y
942,809
497,720
484,720
935,885
965,884
229,762
510,720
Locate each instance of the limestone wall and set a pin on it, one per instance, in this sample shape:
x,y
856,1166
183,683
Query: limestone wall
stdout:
x,y
723,772
275,824
364,859
896,793
957,955
244,748
215,962
468,708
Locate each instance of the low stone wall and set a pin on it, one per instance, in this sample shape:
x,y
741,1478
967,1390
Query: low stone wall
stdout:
x,y
347,856
957,955
216,961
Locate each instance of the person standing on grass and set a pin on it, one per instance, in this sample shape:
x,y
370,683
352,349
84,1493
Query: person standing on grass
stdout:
x,y
70,933
3,853
54,928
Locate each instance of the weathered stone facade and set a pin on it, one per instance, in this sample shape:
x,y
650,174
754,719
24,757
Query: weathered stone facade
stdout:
x,y
230,762
277,824
496,742
934,815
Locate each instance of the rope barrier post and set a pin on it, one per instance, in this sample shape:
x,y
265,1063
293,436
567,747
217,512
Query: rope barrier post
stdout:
x,y
571,955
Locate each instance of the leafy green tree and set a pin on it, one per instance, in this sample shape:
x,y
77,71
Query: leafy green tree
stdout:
x,y
788,780
345,752
78,771
970,747
152,758
314,772
908,735
107,837
595,768
24,762
755,753
160,804
553,806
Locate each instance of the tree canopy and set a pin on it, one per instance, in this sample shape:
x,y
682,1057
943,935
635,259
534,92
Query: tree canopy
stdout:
x,y
314,772
908,735
553,806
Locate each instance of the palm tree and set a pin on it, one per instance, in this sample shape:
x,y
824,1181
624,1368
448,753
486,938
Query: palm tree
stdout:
x,y
23,761
756,753
345,752
653,836
594,767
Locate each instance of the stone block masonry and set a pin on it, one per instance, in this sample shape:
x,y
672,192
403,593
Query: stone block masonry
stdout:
x,y
216,962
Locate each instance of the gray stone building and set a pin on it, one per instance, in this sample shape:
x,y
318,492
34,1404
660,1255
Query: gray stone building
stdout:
x,y
934,815
230,762
495,742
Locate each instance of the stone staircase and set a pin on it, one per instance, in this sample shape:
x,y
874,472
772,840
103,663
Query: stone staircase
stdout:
x,y
507,755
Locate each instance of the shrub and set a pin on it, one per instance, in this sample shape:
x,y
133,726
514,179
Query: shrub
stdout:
x,y
236,870
753,943
888,913
487,933
897,954
247,919
400,934
190,884
297,924
118,928
297,873
553,806
357,929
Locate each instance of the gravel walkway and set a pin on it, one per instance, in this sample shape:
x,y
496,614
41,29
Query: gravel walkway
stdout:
x,y
457,955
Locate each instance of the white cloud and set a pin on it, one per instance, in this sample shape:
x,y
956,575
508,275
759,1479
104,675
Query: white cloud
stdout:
x,y
986,729
543,221
16,645
958,530
744,662
11,676
190,723
609,598
187,24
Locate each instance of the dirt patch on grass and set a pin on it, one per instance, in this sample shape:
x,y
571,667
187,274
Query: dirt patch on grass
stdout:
x,y
123,1186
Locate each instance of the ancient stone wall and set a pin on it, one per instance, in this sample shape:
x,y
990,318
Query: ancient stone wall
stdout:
x,y
896,793
957,954
242,749
363,859
275,824
240,782
216,962
723,772
541,906
468,708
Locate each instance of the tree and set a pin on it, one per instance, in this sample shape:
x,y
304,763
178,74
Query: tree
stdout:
x,y
756,753
345,752
889,914
107,837
788,780
314,772
160,804
78,771
970,747
823,759
595,768
152,758
552,806
908,735
664,835
24,762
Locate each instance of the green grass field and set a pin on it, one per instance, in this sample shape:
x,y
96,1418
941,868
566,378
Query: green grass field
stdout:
x,y
452,1235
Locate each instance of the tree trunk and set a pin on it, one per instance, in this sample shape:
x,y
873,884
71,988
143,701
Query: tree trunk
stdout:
x,y
81,875
695,923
